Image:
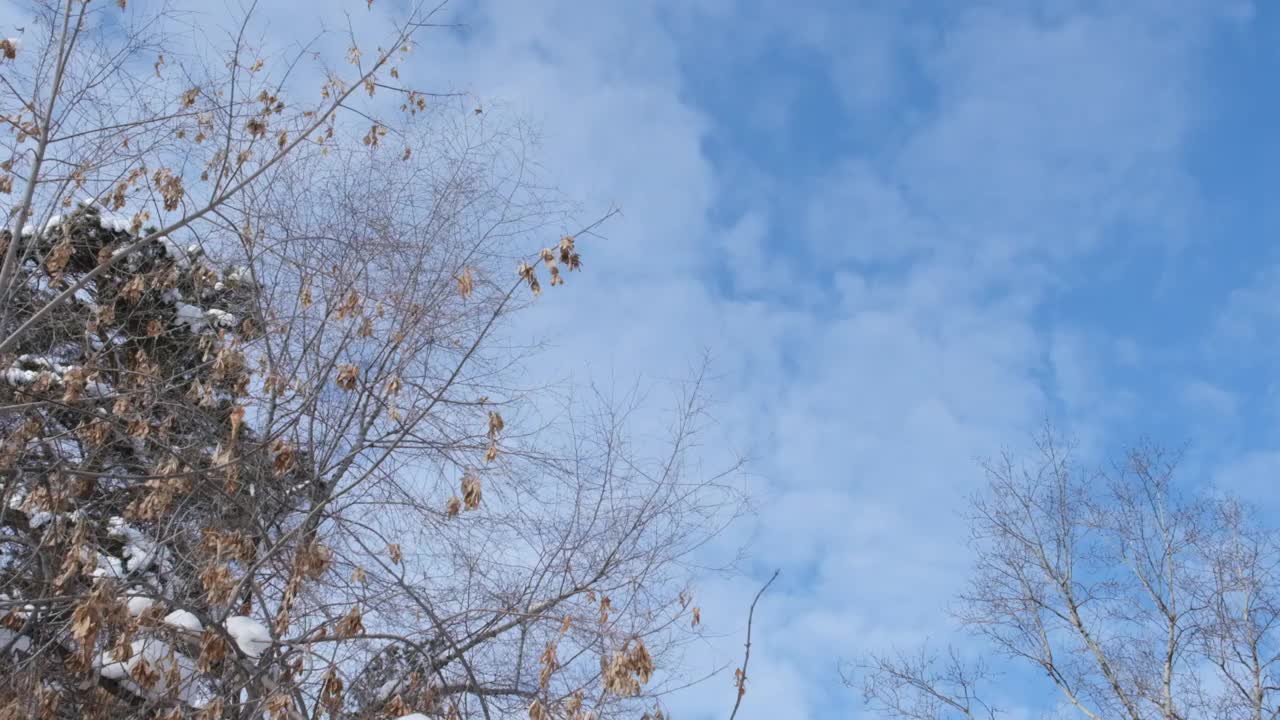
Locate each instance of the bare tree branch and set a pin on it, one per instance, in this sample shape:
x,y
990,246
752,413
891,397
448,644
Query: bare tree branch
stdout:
x,y
740,677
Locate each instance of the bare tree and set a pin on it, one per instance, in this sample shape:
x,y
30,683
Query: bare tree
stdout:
x,y
1133,598
265,453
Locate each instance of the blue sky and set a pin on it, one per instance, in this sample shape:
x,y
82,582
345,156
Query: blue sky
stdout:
x,y
906,233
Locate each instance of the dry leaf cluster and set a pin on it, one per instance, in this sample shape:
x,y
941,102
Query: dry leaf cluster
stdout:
x,y
247,350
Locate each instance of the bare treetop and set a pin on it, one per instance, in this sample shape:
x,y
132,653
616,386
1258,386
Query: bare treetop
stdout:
x,y
261,452
1132,597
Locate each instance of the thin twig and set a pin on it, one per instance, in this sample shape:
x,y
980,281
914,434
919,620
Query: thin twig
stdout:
x,y
746,658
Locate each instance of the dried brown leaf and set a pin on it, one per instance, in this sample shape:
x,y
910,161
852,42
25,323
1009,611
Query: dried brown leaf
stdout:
x,y
347,377
471,491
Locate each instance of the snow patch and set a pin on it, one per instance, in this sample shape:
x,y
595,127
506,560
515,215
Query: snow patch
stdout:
x,y
139,604
30,368
16,376
184,620
198,319
35,518
250,635
220,318
139,550
180,257
108,567
192,316
159,657
114,223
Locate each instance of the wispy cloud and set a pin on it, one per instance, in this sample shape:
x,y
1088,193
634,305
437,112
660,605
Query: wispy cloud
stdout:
x,y
878,312
867,212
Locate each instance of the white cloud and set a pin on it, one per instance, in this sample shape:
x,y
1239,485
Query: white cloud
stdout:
x,y
1252,476
865,397
1210,403
1250,312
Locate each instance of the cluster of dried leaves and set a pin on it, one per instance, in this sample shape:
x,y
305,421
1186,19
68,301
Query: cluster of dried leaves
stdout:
x,y
235,487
